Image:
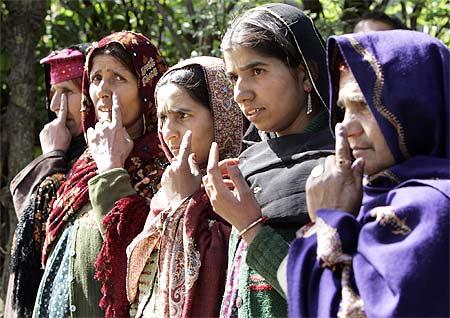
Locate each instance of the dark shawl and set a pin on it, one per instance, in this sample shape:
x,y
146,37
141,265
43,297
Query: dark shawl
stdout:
x,y
393,259
277,168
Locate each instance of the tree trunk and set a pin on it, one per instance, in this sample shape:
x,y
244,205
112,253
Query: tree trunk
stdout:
x,y
24,27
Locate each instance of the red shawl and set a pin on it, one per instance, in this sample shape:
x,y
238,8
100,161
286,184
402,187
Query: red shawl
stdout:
x,y
145,165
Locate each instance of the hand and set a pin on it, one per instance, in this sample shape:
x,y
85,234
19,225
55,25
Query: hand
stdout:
x,y
182,178
338,183
55,135
239,206
109,142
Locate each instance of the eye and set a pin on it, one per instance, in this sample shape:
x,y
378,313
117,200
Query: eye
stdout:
x,y
184,115
161,117
257,71
118,77
96,78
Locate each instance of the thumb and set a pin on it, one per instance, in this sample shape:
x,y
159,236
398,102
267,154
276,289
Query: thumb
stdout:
x,y
358,169
238,179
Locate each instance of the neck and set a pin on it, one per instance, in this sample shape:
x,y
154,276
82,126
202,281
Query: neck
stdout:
x,y
136,129
312,122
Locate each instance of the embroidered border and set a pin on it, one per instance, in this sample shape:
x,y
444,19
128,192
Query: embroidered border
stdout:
x,y
385,215
373,62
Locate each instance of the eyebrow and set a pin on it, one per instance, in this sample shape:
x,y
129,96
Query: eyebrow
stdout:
x,y
249,66
357,98
174,110
115,70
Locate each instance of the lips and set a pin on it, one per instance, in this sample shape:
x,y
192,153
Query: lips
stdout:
x,y
253,112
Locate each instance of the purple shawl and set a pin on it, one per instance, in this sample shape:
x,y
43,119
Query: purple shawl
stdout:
x,y
393,259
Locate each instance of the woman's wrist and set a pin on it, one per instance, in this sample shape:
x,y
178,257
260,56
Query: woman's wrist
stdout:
x,y
249,236
111,163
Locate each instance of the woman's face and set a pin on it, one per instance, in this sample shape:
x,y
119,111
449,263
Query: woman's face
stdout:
x,y
364,135
267,92
109,76
73,93
179,112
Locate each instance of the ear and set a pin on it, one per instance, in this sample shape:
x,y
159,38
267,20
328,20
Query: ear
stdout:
x,y
303,77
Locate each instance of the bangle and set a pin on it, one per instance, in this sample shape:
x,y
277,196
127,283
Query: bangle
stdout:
x,y
262,219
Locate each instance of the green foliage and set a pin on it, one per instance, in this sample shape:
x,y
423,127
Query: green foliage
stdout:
x,y
185,28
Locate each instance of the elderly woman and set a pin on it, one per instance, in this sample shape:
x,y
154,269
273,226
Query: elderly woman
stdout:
x,y
35,186
380,243
82,245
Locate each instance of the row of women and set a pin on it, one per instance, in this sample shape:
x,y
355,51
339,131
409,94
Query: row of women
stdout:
x,y
217,188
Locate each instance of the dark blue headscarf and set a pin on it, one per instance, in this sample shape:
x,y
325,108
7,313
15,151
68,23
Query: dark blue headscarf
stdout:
x,y
405,79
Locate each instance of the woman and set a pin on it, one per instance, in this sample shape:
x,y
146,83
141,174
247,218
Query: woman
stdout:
x,y
381,243
119,80
276,59
177,264
35,186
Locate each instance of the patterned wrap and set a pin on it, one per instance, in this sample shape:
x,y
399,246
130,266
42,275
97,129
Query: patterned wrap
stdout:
x,y
191,241
228,120
145,166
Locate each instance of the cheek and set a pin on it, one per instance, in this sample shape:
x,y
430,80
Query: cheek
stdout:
x,y
75,105
92,92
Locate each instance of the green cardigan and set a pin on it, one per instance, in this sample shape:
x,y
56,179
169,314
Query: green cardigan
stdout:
x,y
84,244
259,293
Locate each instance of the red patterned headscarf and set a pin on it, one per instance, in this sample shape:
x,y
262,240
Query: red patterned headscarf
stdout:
x,y
145,166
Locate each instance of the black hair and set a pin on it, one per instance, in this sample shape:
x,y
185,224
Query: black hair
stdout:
x,y
192,79
264,33
118,52
379,16
82,47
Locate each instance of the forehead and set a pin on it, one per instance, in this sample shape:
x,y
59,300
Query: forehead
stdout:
x,y
349,90
372,25
106,62
239,57
171,97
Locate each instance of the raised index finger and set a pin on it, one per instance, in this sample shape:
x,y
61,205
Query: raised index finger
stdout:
x,y
185,147
62,114
343,155
116,115
213,171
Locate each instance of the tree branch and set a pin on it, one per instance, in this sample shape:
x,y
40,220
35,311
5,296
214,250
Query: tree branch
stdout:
x,y
177,41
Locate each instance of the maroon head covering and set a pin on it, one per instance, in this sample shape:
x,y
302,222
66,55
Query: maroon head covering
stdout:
x,y
65,65
145,165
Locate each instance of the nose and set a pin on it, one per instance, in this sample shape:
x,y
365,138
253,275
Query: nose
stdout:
x,y
352,124
55,103
169,130
104,89
242,92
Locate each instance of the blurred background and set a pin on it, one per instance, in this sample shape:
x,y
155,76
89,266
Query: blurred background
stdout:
x,y
30,29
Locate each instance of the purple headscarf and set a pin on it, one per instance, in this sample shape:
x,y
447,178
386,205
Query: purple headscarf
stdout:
x,y
392,260
406,84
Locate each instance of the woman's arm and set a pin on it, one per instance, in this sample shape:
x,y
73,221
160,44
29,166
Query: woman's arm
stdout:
x,y
395,262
